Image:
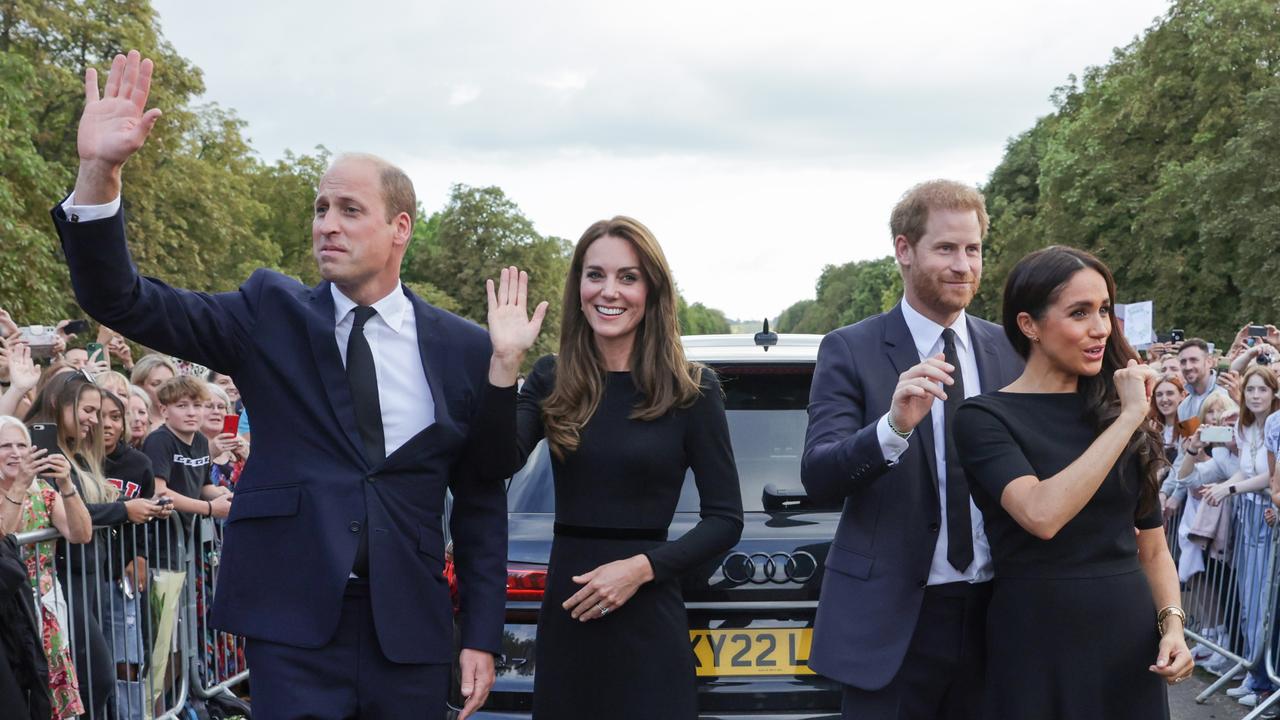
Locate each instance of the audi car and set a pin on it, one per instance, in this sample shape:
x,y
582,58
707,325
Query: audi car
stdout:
x,y
750,610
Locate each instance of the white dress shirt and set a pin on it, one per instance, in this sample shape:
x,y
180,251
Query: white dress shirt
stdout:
x,y
404,395
927,335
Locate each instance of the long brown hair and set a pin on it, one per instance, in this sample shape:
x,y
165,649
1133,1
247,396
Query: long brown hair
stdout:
x,y
1033,285
1247,418
64,392
658,365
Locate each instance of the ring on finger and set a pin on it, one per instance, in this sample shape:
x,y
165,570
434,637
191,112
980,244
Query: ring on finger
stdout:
x,y
604,609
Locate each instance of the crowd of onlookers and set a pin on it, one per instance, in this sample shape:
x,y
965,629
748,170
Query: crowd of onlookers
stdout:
x,y
1217,412
120,463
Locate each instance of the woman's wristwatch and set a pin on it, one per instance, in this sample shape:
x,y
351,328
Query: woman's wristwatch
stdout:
x,y
1164,614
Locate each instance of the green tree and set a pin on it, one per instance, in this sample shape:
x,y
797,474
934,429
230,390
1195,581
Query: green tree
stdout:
x,y
845,294
698,319
476,234
1158,163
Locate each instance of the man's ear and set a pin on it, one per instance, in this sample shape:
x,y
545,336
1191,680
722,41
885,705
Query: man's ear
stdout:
x,y
404,229
903,251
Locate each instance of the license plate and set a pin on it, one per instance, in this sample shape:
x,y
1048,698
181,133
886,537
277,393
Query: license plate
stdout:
x,y
771,651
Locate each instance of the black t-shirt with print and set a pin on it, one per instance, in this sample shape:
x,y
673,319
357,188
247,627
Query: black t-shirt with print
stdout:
x,y
129,470
185,469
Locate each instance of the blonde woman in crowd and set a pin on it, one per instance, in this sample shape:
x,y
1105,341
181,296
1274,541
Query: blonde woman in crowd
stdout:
x,y
149,373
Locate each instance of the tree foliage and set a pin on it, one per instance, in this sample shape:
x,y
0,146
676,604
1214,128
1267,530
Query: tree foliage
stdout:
x,y
845,294
1161,163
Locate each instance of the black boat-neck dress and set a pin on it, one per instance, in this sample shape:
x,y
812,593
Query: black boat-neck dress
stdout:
x,y
1071,629
615,498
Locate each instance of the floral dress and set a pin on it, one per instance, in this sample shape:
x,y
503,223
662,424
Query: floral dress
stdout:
x,y
37,514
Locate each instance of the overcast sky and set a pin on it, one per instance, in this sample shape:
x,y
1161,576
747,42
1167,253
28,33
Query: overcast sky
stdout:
x,y
759,141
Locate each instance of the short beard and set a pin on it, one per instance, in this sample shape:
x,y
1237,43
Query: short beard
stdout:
x,y
927,289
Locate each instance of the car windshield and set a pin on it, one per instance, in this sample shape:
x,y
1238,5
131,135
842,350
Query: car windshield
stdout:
x,y
765,408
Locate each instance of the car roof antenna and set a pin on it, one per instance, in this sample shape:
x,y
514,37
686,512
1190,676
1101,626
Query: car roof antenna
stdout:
x,y
766,339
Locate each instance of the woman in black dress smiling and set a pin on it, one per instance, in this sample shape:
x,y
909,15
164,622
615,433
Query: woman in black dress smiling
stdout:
x,y
1085,622
625,415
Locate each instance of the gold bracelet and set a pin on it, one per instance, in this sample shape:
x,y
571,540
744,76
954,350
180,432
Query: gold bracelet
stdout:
x,y
67,494
1164,614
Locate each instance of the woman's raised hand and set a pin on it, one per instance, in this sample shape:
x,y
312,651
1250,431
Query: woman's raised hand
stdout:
x,y
1134,384
511,330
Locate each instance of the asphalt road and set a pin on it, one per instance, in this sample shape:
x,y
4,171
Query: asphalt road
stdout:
x,y
1182,701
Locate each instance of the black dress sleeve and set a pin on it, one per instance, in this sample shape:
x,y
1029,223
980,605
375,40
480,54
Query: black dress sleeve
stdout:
x,y
988,452
710,454
539,384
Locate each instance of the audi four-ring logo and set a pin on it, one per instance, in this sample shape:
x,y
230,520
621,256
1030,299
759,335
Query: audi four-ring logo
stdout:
x,y
762,568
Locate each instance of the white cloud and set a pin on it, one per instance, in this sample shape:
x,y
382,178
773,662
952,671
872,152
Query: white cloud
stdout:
x,y
463,95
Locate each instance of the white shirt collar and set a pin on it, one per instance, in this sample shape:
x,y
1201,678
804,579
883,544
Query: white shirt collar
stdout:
x,y
926,332
390,308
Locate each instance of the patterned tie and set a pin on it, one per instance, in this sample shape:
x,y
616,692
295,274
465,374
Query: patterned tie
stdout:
x,y
363,379
959,532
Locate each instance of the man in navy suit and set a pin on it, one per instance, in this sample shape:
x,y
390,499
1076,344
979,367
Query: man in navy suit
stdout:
x,y
901,615
367,404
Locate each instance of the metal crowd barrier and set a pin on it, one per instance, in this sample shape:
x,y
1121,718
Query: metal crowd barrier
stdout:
x,y
1229,588
136,653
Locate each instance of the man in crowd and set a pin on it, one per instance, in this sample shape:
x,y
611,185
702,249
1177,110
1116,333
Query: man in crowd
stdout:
x,y
1200,380
901,624
368,403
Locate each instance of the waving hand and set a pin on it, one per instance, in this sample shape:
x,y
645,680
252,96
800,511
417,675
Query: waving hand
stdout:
x,y
114,125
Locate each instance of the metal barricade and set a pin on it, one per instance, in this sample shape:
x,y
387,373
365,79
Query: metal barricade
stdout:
x,y
116,618
219,661
1229,586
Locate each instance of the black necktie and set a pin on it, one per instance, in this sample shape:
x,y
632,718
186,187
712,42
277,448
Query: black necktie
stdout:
x,y
959,532
363,379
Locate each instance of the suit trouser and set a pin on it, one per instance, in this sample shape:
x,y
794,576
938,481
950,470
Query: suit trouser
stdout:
x,y
347,678
942,673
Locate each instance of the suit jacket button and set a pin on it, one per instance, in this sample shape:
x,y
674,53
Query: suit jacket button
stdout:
x,y
933,527
372,478
354,526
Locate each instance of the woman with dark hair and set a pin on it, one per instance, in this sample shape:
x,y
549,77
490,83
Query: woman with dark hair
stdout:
x,y
625,416
1063,464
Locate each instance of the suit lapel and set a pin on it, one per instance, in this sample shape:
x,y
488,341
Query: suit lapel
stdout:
x,y
324,348
990,373
433,348
902,352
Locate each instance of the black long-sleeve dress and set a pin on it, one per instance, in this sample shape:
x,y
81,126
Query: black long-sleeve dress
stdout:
x,y
1072,625
615,498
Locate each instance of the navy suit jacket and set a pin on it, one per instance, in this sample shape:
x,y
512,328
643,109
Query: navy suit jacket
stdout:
x,y
879,561
307,488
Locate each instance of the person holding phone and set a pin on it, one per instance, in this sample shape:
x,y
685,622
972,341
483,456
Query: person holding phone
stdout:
x,y
30,503
625,416
227,450
1085,621
71,405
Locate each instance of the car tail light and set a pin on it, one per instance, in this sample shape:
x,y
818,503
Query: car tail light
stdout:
x,y
526,581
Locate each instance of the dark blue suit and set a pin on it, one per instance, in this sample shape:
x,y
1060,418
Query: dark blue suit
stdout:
x,y
878,565
308,490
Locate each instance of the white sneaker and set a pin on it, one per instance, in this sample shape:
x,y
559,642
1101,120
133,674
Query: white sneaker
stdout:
x,y
1240,690
1250,700
1201,653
